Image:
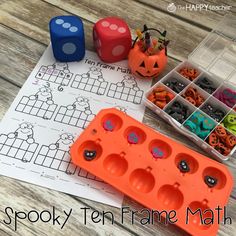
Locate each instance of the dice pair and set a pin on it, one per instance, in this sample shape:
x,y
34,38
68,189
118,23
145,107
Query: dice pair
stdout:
x,y
112,38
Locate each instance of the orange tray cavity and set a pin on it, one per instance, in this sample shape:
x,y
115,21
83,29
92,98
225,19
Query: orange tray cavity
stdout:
x,y
153,169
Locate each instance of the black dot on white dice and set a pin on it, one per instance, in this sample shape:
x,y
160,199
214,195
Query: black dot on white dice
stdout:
x,y
89,155
210,181
183,166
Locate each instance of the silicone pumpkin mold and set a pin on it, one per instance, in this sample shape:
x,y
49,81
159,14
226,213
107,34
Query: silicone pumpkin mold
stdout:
x,y
153,169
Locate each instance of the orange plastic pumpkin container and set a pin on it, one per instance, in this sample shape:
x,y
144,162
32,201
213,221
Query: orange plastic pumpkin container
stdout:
x,y
144,65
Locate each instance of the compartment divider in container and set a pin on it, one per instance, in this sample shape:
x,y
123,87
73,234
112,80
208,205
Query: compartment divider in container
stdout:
x,y
231,112
188,65
220,90
152,105
182,101
216,104
198,110
200,91
178,77
216,83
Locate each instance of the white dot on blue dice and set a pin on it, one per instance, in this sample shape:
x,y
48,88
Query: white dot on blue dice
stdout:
x,y
66,25
59,21
73,29
68,48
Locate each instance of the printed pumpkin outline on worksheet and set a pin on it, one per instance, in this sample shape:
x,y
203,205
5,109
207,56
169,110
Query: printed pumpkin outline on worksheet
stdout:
x,y
56,155
126,90
19,144
92,81
57,73
78,114
40,104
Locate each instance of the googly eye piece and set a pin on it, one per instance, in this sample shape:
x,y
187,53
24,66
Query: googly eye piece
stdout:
x,y
90,155
210,181
183,166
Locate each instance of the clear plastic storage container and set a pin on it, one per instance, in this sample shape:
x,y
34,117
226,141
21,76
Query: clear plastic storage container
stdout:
x,y
213,60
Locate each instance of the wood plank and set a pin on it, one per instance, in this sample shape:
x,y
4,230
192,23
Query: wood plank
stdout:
x,y
8,92
29,22
17,53
202,18
41,194
26,197
180,45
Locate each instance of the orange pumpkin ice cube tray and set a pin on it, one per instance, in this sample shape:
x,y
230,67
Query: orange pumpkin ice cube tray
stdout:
x,y
153,169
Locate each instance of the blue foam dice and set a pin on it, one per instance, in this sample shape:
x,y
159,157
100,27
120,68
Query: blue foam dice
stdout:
x,y
67,38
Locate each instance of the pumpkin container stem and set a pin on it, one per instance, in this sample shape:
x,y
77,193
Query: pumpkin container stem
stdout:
x,y
149,45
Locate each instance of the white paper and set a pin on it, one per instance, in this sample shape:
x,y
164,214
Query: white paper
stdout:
x,y
53,107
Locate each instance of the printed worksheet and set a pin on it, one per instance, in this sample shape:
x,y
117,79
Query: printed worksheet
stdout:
x,y
54,106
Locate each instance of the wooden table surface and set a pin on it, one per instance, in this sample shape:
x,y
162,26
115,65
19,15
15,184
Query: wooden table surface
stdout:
x,y
23,39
